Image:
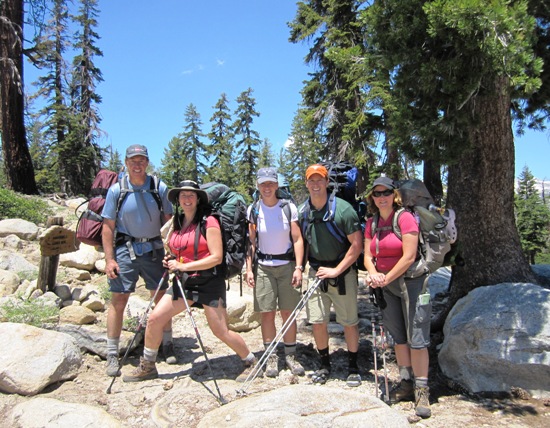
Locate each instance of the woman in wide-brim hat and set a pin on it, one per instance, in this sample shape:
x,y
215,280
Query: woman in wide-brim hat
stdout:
x,y
196,249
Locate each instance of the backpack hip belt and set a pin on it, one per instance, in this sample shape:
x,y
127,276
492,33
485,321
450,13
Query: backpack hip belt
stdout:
x,y
122,238
289,255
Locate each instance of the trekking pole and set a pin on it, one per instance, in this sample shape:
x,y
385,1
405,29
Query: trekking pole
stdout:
x,y
139,327
292,317
375,356
383,344
188,309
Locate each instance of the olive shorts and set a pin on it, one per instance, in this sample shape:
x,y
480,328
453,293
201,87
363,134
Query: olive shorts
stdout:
x,y
345,306
274,285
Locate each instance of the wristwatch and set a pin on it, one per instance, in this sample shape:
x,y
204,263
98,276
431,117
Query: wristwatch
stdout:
x,y
299,267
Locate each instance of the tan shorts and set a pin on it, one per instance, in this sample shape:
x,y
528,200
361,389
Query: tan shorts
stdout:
x,y
319,304
274,286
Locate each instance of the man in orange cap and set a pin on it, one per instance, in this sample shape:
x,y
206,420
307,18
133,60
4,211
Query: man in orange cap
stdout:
x,y
332,259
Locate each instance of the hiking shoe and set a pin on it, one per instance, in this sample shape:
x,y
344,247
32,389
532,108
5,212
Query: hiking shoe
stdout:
x,y
248,368
144,371
113,368
169,353
272,366
422,402
321,376
403,391
353,380
294,365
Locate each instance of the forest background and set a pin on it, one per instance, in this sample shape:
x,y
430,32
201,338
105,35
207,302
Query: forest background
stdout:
x,y
430,88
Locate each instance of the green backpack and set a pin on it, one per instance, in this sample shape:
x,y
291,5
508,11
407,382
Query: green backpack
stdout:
x,y
229,207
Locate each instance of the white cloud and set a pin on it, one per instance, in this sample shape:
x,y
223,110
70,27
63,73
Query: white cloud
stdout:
x,y
220,62
288,143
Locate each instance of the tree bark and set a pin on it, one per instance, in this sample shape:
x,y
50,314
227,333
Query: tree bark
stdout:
x,y
17,158
481,190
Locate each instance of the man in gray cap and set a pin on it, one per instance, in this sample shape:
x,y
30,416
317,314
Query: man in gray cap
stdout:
x,y
133,246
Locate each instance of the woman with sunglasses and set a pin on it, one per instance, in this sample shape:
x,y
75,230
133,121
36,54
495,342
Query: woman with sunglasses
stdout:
x,y
196,249
407,318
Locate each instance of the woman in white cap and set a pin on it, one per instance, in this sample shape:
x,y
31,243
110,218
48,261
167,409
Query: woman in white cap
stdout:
x,y
204,288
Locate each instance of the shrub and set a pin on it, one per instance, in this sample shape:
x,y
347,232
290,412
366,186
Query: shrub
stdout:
x,y
32,313
14,205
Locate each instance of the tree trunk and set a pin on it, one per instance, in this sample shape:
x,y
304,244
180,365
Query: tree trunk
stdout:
x,y
481,190
432,180
17,158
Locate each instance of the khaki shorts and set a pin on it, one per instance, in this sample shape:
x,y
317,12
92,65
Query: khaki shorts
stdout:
x,y
274,286
405,317
319,304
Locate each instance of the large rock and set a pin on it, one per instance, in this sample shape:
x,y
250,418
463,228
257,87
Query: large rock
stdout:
x,y
14,262
240,311
22,228
92,338
77,315
85,258
34,358
497,337
305,406
47,412
9,281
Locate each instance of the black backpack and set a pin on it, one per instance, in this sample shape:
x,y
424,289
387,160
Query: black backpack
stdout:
x,y
90,222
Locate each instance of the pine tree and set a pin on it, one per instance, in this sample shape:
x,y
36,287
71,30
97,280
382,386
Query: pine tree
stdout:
x,y
174,163
194,150
220,150
84,125
16,156
532,216
265,157
247,141
50,48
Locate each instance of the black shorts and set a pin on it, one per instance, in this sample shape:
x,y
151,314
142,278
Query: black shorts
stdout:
x,y
202,291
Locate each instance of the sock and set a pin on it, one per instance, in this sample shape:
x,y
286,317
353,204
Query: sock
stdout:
x,y
421,382
249,359
112,345
166,337
405,372
267,345
150,354
290,348
325,358
352,362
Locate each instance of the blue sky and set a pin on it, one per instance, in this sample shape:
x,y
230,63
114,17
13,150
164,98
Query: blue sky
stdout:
x,y
161,56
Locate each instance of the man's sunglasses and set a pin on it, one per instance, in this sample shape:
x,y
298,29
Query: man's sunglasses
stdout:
x,y
378,193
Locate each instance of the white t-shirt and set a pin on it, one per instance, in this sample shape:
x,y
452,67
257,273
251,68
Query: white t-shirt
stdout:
x,y
273,230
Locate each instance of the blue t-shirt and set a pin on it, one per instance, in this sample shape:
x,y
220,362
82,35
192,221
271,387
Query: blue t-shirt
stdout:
x,y
139,215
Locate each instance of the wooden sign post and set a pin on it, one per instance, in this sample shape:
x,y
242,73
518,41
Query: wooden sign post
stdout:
x,y
55,241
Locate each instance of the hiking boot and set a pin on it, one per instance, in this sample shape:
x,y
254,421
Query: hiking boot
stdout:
x,y
113,368
272,366
144,371
294,365
248,368
422,402
169,353
403,391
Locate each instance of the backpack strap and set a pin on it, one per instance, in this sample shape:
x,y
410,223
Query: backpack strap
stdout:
x,y
284,204
154,184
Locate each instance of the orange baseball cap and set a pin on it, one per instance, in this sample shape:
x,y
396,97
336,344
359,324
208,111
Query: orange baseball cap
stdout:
x,y
316,169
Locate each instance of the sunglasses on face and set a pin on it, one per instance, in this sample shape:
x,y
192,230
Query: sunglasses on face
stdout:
x,y
378,193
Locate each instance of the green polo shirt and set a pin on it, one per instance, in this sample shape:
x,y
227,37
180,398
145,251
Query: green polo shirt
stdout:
x,y
322,244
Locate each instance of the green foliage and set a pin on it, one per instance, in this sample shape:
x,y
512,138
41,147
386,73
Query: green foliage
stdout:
x,y
14,205
29,312
532,217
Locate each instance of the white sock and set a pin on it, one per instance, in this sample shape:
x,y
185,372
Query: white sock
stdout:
x,y
150,354
250,359
112,345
